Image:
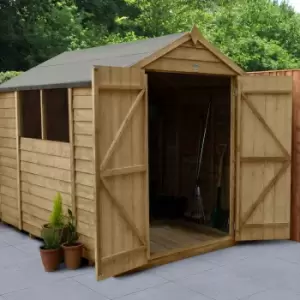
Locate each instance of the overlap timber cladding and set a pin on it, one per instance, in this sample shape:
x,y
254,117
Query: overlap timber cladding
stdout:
x,y
84,167
45,170
8,160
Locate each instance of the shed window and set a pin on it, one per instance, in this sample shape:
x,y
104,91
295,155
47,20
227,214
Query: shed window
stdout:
x,y
45,114
56,114
31,114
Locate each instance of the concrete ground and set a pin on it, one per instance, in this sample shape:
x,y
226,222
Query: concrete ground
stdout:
x,y
254,271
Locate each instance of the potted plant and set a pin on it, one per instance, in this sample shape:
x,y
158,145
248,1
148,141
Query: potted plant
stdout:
x,y
72,248
57,219
50,251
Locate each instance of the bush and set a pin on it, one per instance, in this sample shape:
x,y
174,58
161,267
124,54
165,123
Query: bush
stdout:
x,y
4,76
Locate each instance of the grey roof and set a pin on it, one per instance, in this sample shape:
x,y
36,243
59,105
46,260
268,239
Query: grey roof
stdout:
x,y
74,68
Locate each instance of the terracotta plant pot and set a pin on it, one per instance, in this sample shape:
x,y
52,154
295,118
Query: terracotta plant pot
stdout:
x,y
50,258
72,255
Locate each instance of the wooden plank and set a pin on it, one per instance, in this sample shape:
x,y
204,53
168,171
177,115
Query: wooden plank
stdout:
x,y
32,220
7,181
179,254
83,140
85,179
144,62
189,66
86,229
46,160
264,193
85,204
8,162
9,172
40,202
146,161
268,92
82,91
266,126
121,129
8,123
7,113
269,225
10,212
114,87
7,95
85,128
264,159
123,254
84,191
49,172
46,147
72,152
238,160
45,193
35,211
18,133
8,152
84,153
50,183
8,102
82,102
88,242
7,133
33,230
8,143
83,115
124,171
9,219
123,212
8,191
9,201
282,85
192,54
86,217
43,105
232,157
84,166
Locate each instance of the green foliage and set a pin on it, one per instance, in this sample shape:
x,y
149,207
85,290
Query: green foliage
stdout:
x,y
72,235
51,238
4,76
257,34
57,218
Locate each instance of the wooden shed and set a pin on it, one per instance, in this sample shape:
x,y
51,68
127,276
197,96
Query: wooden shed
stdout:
x,y
116,130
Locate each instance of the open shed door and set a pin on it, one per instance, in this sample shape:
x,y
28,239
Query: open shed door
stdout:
x,y
264,138
121,139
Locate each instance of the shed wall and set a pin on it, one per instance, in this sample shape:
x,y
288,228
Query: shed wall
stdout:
x,y
295,201
48,167
45,170
84,167
189,58
8,160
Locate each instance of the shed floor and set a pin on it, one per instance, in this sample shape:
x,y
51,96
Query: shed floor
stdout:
x,y
166,236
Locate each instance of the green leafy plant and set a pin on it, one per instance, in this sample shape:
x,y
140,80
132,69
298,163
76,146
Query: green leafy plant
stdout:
x,y
51,238
72,235
57,218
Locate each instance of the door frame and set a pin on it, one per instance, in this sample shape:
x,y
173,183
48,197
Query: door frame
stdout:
x,y
228,240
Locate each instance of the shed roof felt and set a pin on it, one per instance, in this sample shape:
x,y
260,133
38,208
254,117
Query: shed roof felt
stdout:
x,y
73,68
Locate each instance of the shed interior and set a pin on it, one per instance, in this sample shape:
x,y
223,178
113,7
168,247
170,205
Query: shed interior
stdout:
x,y
178,114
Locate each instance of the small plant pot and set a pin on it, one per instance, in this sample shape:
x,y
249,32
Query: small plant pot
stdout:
x,y
50,258
72,255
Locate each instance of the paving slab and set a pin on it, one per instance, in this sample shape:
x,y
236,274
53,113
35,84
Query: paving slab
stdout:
x,y
248,271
